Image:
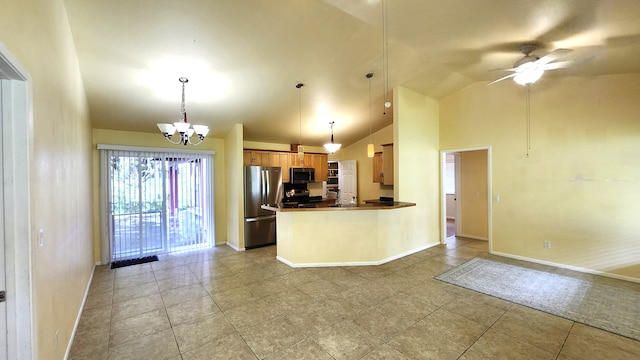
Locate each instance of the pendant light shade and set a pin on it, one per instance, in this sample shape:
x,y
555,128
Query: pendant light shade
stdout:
x,y
332,147
370,148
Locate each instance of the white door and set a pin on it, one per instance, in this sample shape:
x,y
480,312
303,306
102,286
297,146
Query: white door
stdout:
x,y
348,181
3,304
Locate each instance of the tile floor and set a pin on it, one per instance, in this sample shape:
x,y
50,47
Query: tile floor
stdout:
x,y
222,304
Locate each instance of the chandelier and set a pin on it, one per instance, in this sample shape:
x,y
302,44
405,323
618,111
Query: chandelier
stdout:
x,y
185,129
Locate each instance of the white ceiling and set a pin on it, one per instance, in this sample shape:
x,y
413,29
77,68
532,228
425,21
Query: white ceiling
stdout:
x,y
244,57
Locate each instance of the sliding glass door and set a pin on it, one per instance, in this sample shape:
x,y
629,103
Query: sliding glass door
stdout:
x,y
157,203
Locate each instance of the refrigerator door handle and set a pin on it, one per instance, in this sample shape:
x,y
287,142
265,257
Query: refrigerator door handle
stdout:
x,y
267,174
261,218
264,186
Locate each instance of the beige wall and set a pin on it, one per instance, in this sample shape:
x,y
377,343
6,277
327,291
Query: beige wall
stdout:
x,y
473,197
129,138
38,35
578,188
416,162
234,193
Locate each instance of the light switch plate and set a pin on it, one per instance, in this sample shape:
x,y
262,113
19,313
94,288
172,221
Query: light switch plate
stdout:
x,y
40,237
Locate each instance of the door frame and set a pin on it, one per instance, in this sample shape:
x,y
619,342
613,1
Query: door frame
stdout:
x,y
443,196
17,140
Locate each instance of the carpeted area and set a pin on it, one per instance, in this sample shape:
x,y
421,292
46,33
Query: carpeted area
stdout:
x,y
587,300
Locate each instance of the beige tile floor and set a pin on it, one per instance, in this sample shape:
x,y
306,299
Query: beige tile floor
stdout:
x,y
222,304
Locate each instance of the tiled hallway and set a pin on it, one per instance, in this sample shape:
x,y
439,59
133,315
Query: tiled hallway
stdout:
x,y
222,304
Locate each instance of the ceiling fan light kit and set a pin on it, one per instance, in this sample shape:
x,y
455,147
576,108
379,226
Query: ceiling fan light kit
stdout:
x,y
530,68
185,129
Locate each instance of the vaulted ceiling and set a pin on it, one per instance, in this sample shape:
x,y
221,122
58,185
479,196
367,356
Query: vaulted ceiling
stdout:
x,y
243,58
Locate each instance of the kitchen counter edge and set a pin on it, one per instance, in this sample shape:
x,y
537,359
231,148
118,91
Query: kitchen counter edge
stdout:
x,y
371,206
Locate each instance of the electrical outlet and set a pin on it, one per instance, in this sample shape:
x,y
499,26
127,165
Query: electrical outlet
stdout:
x,y
547,244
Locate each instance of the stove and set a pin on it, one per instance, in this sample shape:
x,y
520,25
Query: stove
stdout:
x,y
299,198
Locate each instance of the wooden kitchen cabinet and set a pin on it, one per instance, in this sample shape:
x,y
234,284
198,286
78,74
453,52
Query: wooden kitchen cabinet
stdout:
x,y
387,164
294,161
377,167
320,163
255,157
383,165
281,159
287,160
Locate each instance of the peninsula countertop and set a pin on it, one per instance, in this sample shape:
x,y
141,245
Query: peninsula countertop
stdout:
x,y
382,205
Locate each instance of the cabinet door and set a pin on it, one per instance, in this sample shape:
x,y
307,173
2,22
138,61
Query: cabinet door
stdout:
x,y
387,164
320,163
284,164
377,167
262,158
247,157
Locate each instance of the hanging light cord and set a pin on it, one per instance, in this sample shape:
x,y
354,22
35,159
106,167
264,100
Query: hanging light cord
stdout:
x,y
369,76
528,119
385,58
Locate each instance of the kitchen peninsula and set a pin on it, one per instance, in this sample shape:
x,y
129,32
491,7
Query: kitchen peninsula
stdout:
x,y
344,235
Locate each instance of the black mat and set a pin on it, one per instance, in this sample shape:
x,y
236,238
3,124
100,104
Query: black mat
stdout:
x,y
129,262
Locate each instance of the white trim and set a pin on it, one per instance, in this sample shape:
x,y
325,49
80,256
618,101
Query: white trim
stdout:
x,y
234,247
472,237
75,326
17,144
154,149
356,263
443,196
569,267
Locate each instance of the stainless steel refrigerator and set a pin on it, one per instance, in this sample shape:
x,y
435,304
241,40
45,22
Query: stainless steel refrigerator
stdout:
x,y
262,185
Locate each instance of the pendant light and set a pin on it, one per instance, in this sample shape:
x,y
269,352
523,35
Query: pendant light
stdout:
x,y
300,148
370,148
332,147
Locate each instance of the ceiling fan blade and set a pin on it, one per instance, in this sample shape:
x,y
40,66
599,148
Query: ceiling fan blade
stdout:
x,y
557,53
557,65
502,78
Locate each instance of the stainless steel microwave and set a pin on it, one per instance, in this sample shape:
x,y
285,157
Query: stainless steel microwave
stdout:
x,y
302,175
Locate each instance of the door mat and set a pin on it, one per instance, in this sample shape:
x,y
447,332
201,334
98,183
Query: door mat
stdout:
x,y
608,304
129,262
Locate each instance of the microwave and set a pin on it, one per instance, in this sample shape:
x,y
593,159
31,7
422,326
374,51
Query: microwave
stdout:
x,y
302,175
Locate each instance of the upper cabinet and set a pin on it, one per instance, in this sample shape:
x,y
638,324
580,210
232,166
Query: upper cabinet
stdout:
x,y
287,160
377,167
255,157
383,165
387,164
320,162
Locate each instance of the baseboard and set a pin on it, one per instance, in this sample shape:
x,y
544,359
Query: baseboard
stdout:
x,y
234,247
472,237
75,326
356,263
568,267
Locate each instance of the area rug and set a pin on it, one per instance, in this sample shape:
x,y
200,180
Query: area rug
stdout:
x,y
608,307
129,262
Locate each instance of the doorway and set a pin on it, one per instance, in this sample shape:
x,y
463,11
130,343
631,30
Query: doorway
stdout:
x,y
156,202
15,244
471,197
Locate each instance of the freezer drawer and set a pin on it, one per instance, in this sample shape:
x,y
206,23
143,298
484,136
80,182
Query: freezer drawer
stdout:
x,y
259,231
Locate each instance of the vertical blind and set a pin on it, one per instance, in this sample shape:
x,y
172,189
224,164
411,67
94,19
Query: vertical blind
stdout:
x,y
155,202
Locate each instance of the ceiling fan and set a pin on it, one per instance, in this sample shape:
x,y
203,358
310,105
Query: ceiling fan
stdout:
x,y
530,68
